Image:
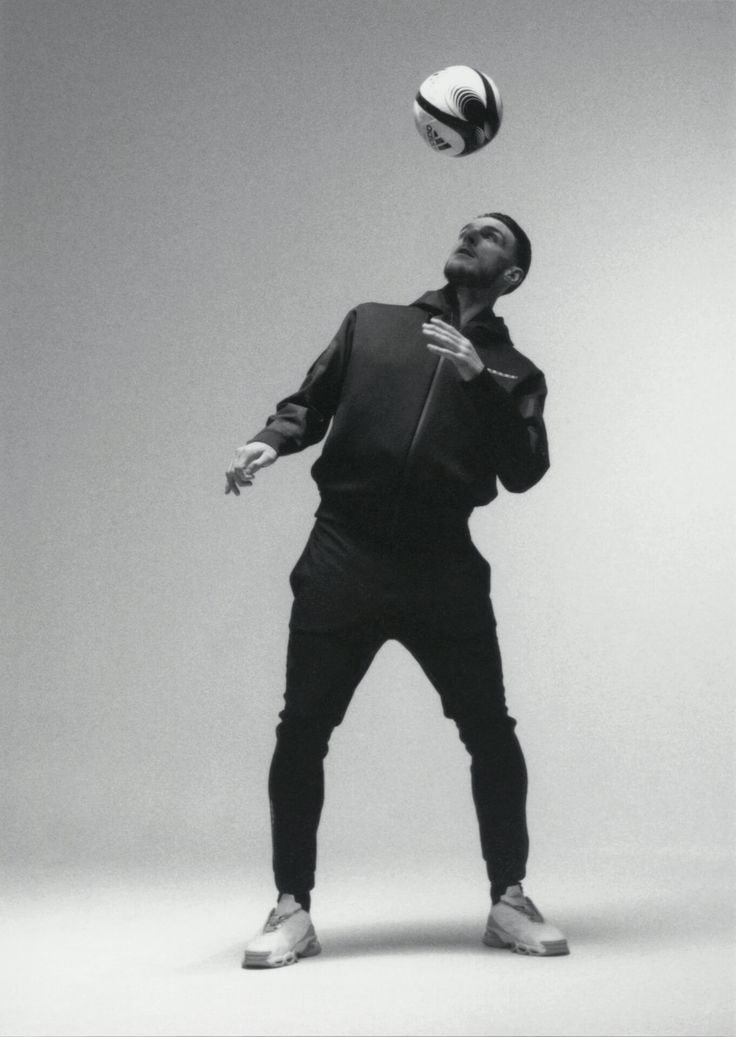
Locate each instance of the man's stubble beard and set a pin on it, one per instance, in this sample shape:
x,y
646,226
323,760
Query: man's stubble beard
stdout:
x,y
459,276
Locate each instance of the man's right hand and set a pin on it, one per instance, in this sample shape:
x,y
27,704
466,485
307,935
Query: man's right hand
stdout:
x,y
248,459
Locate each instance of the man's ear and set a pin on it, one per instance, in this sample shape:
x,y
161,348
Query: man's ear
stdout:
x,y
513,276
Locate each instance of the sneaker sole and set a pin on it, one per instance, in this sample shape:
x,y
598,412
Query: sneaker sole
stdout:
x,y
545,949
266,960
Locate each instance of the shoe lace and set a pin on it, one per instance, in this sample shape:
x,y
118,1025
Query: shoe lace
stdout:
x,y
531,911
526,906
276,920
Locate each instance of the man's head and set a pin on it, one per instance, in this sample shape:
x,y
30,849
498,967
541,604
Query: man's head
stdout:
x,y
492,254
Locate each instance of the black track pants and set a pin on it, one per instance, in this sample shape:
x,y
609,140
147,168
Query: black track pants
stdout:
x,y
411,602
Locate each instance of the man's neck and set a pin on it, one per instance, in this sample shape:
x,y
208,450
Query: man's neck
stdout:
x,y
470,303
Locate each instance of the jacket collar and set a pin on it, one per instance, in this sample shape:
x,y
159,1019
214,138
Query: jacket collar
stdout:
x,y
443,301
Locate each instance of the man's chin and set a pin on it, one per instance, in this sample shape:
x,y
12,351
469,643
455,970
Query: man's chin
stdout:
x,y
457,272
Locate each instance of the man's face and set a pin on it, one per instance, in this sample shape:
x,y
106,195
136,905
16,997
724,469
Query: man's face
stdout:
x,y
484,250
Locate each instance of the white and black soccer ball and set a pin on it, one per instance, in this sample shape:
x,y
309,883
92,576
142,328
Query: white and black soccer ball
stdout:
x,y
458,110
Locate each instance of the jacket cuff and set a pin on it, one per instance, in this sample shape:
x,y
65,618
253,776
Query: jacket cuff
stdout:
x,y
484,388
271,438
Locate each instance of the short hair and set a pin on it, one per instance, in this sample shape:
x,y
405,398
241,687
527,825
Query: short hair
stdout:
x,y
523,249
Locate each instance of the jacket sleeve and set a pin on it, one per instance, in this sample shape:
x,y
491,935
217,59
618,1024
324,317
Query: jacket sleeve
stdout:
x,y
515,423
303,418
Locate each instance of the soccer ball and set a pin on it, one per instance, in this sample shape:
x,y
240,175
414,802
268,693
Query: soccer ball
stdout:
x,y
458,110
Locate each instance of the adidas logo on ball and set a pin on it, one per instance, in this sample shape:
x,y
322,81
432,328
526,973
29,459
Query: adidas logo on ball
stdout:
x,y
435,140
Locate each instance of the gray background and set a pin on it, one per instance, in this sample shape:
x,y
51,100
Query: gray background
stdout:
x,y
195,194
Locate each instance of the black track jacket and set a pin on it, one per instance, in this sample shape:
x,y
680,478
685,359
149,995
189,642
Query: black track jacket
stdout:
x,y
410,439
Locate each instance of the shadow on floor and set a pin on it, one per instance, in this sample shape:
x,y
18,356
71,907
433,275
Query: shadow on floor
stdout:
x,y
460,935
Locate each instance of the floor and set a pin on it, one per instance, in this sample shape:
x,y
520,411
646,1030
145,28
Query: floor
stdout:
x,y
140,955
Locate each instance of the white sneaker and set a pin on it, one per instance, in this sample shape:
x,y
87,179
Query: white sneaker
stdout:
x,y
287,936
514,922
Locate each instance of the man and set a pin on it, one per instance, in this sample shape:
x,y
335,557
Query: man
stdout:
x,y
429,405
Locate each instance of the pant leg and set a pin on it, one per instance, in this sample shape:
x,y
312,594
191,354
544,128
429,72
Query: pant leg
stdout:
x,y
323,670
467,673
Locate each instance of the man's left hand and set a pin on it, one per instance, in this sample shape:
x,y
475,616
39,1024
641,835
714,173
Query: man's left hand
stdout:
x,y
447,341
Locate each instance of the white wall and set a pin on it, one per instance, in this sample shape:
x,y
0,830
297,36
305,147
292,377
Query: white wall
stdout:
x,y
195,195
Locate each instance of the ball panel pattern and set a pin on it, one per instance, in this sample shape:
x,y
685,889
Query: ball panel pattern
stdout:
x,y
458,110
493,103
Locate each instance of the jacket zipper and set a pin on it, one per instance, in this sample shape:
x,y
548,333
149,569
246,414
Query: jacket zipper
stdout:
x,y
422,415
415,435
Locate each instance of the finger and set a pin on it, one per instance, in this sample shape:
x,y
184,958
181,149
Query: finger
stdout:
x,y
458,359
446,330
257,463
441,351
232,481
448,343
438,322
241,478
446,334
